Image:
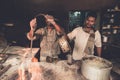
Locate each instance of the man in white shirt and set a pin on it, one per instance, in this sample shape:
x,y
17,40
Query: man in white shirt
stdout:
x,y
85,38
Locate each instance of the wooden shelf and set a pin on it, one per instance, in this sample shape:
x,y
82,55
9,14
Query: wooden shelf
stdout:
x,y
116,27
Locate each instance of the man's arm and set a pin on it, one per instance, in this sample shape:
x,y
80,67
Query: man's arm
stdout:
x,y
32,29
52,21
58,28
99,50
98,43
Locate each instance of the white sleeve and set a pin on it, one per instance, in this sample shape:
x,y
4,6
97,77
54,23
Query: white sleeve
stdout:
x,y
98,42
72,34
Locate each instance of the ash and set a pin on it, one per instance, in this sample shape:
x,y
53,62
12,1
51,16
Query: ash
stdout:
x,y
61,71
56,71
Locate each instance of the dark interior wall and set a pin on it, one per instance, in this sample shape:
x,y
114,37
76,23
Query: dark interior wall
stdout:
x,y
20,12
26,9
62,16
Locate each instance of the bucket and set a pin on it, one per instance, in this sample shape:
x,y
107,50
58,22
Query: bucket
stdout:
x,y
96,68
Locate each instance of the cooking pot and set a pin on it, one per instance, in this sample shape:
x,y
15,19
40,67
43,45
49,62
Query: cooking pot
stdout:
x,y
65,47
96,68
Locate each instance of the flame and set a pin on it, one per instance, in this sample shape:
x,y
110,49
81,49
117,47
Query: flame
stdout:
x,y
33,68
21,73
36,71
21,69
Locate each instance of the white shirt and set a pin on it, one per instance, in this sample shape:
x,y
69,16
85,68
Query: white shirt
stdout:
x,y
80,38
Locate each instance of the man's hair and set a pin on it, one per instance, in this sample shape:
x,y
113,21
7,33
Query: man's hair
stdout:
x,y
41,20
91,14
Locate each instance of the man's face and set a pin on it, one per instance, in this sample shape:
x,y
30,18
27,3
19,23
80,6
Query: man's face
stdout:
x,y
90,21
49,25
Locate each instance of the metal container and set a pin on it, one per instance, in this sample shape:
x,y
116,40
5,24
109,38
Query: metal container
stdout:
x,y
96,68
69,59
65,47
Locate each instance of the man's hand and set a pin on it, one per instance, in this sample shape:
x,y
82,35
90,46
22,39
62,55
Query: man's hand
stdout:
x,y
31,33
33,24
50,19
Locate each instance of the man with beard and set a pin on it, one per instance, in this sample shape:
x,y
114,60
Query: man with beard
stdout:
x,y
85,38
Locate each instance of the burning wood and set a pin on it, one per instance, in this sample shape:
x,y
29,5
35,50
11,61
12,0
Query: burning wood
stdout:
x,y
3,58
4,69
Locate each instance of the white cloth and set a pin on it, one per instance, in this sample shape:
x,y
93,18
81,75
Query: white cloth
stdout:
x,y
80,38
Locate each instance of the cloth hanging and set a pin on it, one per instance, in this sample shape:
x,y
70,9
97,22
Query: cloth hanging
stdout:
x,y
90,43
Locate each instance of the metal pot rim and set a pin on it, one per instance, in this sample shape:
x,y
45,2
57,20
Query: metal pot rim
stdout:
x,y
91,57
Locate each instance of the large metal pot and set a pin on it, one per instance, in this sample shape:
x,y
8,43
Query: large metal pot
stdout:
x,y
65,47
96,68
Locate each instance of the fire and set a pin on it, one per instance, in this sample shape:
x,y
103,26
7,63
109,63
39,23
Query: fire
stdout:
x,y
33,69
21,73
21,69
36,71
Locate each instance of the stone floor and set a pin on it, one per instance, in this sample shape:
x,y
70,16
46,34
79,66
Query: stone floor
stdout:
x,y
115,76
112,53
116,65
